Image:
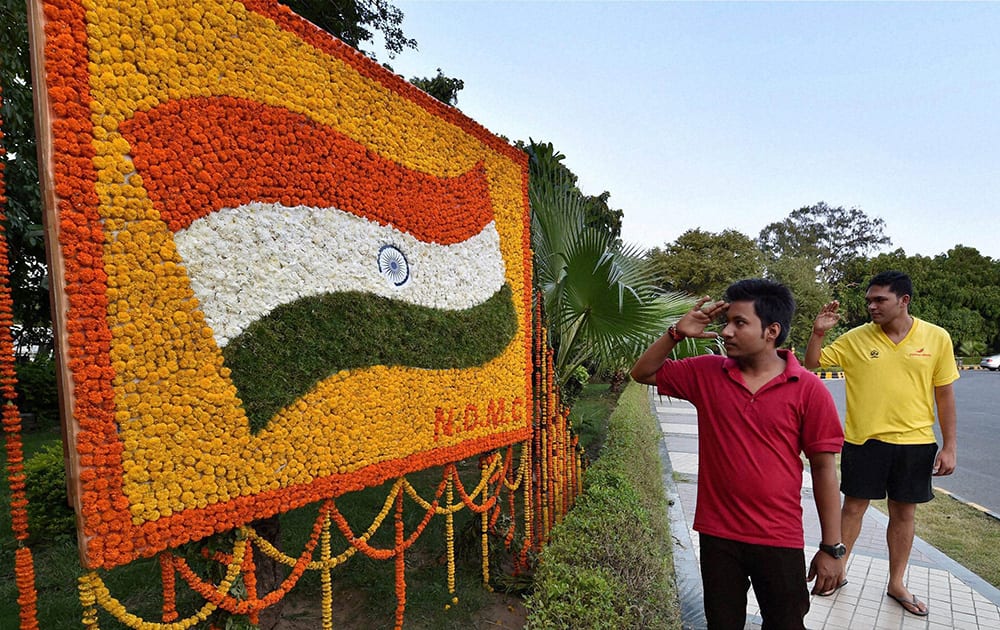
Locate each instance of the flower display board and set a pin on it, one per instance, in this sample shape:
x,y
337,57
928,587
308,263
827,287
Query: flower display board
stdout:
x,y
280,272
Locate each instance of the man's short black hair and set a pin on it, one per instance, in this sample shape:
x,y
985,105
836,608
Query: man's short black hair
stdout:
x,y
897,281
772,302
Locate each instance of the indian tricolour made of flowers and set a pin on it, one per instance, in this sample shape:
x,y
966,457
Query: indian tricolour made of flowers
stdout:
x,y
261,190
239,277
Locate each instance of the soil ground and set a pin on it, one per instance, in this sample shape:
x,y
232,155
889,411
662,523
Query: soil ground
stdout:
x,y
503,612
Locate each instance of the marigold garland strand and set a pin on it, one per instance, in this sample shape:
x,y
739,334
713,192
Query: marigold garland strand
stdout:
x,y
449,534
326,578
168,577
250,582
400,561
24,566
526,488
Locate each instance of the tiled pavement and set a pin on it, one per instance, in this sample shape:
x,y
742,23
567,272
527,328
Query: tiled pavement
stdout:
x,y
956,597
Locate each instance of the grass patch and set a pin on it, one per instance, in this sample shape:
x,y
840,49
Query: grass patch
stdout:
x,y
965,534
589,416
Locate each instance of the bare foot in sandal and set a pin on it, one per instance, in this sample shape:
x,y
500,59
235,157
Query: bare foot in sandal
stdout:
x,y
910,604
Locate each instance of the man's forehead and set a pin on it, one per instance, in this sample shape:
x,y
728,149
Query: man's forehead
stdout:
x,y
879,291
743,309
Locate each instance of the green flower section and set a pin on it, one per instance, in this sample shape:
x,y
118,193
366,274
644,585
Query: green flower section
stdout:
x,y
280,357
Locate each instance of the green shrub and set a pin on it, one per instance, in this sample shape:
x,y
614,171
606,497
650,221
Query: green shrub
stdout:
x,y
50,518
570,598
969,348
37,393
609,564
570,392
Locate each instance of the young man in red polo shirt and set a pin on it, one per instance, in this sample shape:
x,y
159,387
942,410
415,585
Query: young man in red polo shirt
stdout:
x,y
758,410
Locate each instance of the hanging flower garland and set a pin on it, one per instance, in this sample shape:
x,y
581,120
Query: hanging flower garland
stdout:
x,y
24,567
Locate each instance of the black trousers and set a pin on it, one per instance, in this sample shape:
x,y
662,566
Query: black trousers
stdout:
x,y
778,575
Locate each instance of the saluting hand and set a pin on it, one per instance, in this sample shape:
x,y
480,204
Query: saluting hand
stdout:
x,y
827,318
695,321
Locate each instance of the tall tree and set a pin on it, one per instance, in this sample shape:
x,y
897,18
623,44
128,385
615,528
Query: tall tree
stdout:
x,y
355,22
23,227
705,263
961,291
602,304
830,237
597,212
810,296
441,87
970,278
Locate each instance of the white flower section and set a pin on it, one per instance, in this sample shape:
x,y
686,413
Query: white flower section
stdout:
x,y
244,262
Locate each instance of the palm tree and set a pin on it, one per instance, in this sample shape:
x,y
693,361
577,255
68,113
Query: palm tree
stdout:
x,y
601,298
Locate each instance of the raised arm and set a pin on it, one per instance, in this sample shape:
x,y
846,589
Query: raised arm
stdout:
x,y
827,319
691,325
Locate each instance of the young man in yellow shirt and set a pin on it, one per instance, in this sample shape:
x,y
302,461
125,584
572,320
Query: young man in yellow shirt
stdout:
x,y
898,369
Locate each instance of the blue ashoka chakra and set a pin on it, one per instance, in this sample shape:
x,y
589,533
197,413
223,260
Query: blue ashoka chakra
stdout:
x,y
393,265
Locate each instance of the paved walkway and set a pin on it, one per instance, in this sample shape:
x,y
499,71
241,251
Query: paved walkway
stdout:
x,y
957,598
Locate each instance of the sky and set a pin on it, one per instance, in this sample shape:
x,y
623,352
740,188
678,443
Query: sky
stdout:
x,y
719,115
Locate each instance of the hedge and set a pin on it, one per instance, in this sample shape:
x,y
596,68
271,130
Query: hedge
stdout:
x,y
609,563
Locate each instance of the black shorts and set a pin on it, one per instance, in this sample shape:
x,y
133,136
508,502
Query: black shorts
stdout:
x,y
874,469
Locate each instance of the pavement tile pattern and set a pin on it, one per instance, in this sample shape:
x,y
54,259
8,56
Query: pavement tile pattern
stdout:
x,y
957,598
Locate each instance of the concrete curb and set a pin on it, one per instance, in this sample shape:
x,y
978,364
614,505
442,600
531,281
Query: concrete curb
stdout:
x,y
686,570
840,375
975,506
830,375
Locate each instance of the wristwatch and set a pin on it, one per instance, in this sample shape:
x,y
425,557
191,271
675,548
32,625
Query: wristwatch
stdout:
x,y
838,551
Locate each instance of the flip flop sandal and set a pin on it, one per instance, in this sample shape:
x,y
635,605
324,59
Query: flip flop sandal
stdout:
x,y
907,603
